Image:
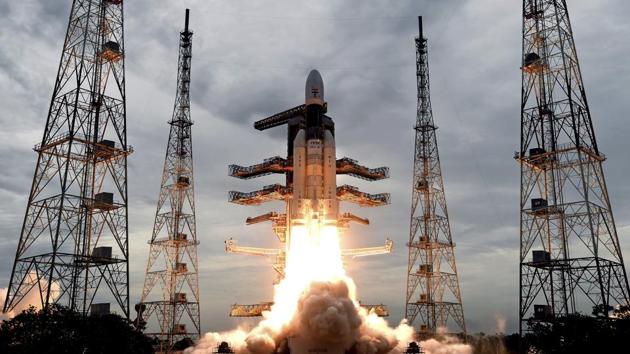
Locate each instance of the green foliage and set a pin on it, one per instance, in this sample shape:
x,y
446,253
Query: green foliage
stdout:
x,y
60,330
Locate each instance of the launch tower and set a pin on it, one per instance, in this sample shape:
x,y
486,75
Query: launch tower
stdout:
x,y
73,248
570,257
169,307
433,296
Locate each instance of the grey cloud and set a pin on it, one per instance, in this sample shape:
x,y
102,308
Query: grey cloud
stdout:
x,y
250,60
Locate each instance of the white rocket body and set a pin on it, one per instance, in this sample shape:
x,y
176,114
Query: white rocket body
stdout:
x,y
314,162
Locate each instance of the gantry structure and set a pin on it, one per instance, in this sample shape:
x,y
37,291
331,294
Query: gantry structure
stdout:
x,y
570,257
169,306
433,300
73,248
295,120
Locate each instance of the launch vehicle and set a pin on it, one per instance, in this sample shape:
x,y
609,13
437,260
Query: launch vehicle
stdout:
x,y
314,162
311,194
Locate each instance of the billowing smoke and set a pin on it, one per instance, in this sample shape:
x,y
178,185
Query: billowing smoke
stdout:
x,y
316,309
327,317
32,298
447,345
3,296
499,321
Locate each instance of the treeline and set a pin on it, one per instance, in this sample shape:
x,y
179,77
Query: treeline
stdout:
x,y
572,334
60,330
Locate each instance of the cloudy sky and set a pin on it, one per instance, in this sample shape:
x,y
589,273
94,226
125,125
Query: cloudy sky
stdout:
x,y
250,60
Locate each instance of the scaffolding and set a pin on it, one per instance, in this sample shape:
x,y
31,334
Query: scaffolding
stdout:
x,y
256,310
169,307
368,251
354,195
268,193
271,165
278,223
352,168
73,247
570,256
277,164
433,298
346,218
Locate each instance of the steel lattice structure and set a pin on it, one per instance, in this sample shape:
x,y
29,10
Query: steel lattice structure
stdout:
x,y
169,306
433,299
73,247
570,258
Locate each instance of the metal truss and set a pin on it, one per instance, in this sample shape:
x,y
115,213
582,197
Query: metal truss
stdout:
x,y
256,310
169,306
433,298
278,164
73,248
570,258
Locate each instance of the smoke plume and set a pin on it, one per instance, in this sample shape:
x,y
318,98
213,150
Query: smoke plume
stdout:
x,y
327,317
316,309
500,322
32,298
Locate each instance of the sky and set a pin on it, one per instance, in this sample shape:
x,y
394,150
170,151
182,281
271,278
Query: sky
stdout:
x,y
250,60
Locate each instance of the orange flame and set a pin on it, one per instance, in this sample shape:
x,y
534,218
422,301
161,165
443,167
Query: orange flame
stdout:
x,y
313,254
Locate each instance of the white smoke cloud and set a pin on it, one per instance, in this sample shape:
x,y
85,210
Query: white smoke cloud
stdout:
x,y
499,321
32,298
449,345
327,317
3,296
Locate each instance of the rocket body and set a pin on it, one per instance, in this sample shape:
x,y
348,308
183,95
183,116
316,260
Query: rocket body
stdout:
x,y
314,162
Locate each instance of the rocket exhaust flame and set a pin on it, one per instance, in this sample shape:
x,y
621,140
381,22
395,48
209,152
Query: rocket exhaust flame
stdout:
x,y
314,256
315,305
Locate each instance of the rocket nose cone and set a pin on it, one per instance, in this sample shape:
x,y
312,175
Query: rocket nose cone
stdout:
x,y
314,93
314,75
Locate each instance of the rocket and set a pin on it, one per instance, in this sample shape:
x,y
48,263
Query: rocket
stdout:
x,y
314,162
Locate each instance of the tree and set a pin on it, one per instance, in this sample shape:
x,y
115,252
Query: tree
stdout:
x,y
61,330
623,312
602,311
577,334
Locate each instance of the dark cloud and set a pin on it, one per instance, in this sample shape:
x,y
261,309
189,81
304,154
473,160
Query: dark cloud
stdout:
x,y
250,60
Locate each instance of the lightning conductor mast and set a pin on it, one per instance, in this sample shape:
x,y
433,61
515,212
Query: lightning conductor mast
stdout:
x,y
169,307
433,298
314,162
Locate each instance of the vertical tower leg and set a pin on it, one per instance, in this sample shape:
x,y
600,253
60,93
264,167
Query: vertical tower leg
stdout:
x,y
570,258
73,247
